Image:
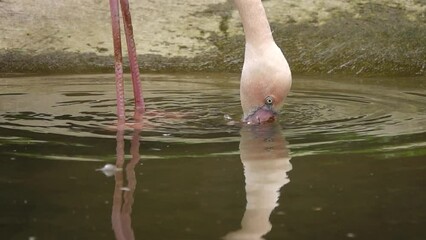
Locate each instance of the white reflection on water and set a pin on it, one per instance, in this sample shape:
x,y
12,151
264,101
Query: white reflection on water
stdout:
x,y
266,161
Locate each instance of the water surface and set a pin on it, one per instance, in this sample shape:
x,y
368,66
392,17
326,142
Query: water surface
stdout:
x,y
346,160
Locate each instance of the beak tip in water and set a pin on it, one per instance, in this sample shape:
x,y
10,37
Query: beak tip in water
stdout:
x,y
261,116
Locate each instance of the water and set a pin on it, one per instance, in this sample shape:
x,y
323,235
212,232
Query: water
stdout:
x,y
347,160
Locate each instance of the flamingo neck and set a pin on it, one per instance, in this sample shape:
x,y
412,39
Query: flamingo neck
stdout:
x,y
255,23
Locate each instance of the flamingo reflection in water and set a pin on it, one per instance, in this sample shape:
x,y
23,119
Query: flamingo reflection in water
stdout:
x,y
266,161
123,195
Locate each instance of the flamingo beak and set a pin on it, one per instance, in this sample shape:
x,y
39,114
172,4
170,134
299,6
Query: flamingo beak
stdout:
x,y
264,114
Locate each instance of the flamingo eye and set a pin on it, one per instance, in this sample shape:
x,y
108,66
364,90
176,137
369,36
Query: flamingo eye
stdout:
x,y
269,100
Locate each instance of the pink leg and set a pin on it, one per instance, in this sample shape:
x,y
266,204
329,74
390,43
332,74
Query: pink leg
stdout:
x,y
119,85
131,49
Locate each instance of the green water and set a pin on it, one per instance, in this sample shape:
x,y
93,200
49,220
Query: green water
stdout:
x,y
346,160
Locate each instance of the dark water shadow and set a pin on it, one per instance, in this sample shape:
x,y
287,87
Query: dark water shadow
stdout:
x,y
266,161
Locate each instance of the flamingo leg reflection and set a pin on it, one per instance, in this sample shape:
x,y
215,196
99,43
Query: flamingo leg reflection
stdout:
x,y
121,211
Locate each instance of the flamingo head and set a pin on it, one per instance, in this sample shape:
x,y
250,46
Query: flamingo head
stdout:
x,y
262,114
263,91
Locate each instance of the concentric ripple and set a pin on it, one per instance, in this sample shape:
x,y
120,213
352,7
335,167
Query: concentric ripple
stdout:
x,y
356,115
380,117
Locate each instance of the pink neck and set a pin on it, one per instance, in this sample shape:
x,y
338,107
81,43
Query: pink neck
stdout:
x,y
255,23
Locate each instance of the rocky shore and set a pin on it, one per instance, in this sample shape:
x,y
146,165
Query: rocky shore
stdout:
x,y
359,37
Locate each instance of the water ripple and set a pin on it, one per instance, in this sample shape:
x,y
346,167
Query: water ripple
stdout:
x,y
320,116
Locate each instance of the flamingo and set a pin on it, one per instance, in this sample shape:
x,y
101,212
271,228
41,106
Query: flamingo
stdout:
x,y
131,50
265,78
